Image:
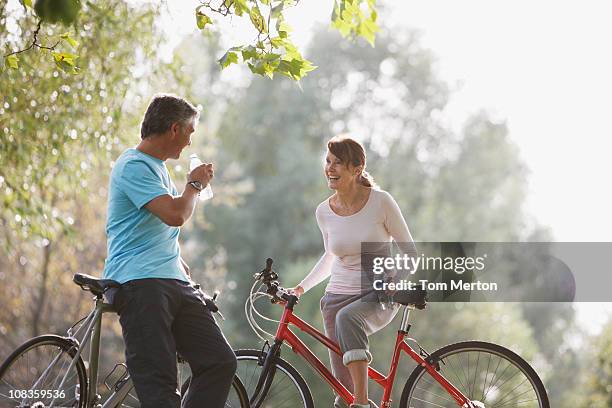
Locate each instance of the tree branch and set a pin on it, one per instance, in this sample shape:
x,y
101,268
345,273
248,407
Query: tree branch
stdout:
x,y
34,43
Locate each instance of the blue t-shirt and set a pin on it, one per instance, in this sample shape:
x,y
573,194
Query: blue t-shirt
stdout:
x,y
140,245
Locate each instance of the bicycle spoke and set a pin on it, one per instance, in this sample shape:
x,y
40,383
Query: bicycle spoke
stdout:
x,y
7,397
496,381
486,377
510,392
280,405
515,403
467,377
251,377
505,382
484,397
475,377
279,389
439,396
455,371
427,402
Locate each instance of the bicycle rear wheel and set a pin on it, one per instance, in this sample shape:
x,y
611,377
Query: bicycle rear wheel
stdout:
x,y
32,374
287,388
237,397
483,372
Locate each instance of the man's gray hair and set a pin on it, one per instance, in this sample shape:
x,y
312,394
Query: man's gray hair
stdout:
x,y
163,111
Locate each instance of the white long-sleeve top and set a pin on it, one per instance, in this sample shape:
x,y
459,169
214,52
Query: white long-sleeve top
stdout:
x,y
380,220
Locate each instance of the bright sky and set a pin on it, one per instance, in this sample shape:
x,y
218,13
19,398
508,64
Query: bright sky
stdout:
x,y
543,66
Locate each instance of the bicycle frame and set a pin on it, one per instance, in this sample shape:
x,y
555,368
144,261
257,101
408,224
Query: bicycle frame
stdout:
x,y
284,334
91,329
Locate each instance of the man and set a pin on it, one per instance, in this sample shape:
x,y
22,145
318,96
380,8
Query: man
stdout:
x,y
160,310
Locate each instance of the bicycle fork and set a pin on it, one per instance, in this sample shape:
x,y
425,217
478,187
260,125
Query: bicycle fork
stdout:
x,y
267,373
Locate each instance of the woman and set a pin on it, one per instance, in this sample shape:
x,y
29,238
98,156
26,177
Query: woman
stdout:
x,y
357,212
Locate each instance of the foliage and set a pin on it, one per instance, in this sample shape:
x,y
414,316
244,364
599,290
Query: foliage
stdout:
x,y
55,11
49,12
351,21
272,52
54,126
598,379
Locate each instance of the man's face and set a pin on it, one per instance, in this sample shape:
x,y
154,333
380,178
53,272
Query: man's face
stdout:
x,y
182,137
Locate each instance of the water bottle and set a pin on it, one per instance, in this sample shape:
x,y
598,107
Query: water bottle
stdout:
x,y
194,161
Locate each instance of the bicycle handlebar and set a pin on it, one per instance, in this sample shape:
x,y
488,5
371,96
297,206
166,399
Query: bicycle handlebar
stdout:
x,y
270,278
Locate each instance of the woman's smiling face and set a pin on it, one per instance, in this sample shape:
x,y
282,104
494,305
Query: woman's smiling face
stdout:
x,y
338,174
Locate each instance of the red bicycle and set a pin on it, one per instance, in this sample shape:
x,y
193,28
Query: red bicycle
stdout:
x,y
471,374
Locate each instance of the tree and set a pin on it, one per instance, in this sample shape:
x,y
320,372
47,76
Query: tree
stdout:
x,y
55,127
598,380
60,133
273,51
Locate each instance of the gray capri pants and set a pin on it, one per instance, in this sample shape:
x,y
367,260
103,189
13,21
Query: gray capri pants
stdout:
x,y
349,320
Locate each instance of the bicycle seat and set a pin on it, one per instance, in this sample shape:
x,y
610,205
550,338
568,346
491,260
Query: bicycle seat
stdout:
x,y
94,285
415,297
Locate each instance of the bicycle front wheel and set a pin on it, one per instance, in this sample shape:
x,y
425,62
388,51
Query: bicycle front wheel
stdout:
x,y
39,372
484,372
285,388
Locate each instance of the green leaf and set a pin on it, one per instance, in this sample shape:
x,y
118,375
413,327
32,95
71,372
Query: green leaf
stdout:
x,y
249,52
277,10
64,56
291,50
271,57
368,30
349,19
276,42
268,70
66,62
282,26
257,68
26,3
240,6
66,37
202,19
12,61
295,68
258,20
228,58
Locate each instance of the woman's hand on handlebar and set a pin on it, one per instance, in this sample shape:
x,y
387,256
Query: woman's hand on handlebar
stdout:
x,y
297,291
